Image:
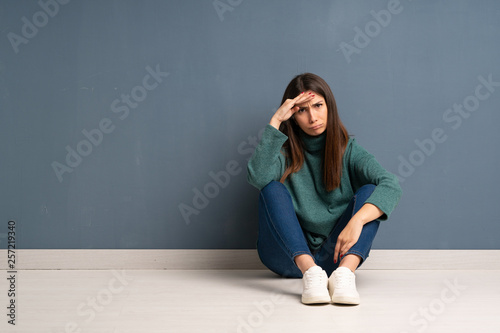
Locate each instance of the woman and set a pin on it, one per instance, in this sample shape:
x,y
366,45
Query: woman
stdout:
x,y
322,195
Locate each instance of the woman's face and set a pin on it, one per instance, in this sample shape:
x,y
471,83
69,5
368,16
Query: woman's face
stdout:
x,y
312,116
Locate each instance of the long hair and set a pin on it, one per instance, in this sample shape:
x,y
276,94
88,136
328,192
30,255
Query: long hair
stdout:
x,y
336,134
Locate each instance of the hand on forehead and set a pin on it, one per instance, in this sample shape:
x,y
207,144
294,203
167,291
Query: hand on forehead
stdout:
x,y
316,99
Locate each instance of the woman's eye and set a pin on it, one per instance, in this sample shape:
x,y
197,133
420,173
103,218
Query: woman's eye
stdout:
x,y
319,105
301,110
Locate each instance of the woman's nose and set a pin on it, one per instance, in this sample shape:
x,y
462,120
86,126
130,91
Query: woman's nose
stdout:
x,y
312,117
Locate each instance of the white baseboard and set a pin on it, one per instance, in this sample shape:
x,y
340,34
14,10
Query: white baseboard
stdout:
x,y
237,259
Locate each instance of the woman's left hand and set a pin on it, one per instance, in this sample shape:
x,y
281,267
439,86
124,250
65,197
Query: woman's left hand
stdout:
x,y
350,235
347,238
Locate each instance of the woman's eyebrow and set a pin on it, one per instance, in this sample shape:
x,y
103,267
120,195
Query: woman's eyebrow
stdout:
x,y
306,107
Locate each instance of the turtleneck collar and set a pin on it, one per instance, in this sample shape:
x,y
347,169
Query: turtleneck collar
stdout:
x,y
313,144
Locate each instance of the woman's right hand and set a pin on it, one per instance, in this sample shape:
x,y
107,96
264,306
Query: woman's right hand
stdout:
x,y
288,108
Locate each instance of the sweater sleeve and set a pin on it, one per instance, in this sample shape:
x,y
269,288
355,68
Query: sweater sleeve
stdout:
x,y
365,169
267,163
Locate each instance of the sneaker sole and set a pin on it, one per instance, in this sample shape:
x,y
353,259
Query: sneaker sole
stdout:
x,y
341,299
345,300
316,300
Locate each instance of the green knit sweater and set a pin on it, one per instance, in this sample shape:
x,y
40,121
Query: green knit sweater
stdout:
x,y
318,210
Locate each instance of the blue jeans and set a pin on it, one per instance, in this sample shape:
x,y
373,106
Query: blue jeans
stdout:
x,y
281,237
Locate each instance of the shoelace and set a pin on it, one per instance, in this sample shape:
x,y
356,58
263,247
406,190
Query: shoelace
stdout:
x,y
344,280
315,279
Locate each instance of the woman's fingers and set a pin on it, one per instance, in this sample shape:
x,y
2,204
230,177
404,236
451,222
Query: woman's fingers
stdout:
x,y
303,97
345,248
343,245
289,107
347,238
340,250
300,99
336,253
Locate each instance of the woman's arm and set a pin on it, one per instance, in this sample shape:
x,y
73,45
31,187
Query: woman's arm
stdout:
x,y
364,169
267,163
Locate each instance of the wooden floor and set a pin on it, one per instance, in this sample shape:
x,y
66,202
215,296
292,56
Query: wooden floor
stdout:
x,y
248,301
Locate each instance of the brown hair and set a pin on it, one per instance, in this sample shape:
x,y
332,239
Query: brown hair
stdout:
x,y
336,134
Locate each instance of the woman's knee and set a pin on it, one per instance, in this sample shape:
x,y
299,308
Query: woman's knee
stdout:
x,y
274,191
272,187
364,192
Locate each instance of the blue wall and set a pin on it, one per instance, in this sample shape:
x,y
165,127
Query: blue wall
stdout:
x,y
128,124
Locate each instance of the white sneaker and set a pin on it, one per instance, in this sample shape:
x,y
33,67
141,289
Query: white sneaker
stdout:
x,y
315,283
342,285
